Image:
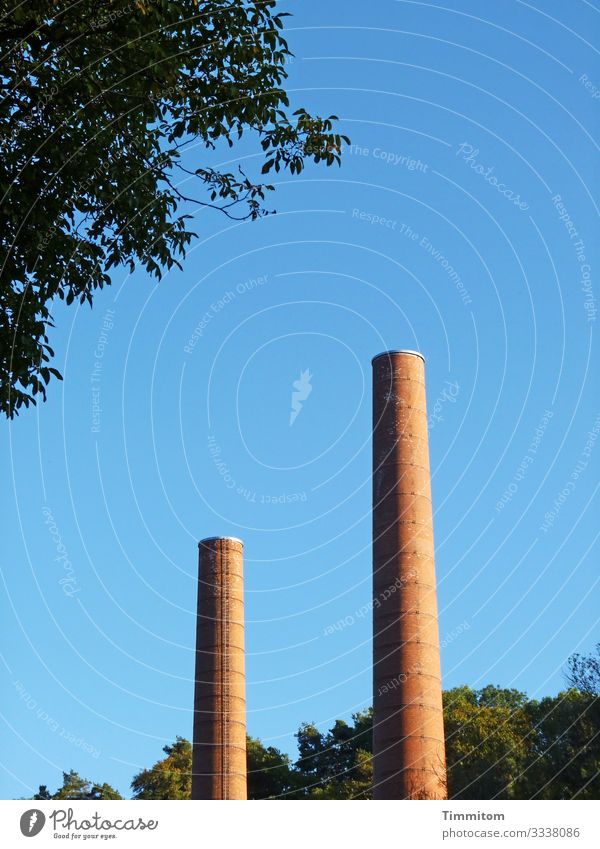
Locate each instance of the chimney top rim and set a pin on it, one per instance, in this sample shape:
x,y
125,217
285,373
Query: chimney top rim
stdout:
x,y
398,351
224,538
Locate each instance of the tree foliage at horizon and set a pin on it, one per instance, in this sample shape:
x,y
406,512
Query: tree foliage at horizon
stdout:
x,y
76,787
99,105
499,745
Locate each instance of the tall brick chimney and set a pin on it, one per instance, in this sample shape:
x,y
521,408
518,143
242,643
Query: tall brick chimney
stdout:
x,y
408,729
219,740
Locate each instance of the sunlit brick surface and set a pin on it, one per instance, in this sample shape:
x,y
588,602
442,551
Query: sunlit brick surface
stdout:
x,y
408,730
219,753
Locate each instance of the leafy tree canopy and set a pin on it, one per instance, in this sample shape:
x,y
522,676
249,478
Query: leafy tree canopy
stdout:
x,y
488,741
583,672
169,778
502,745
269,773
566,762
76,787
101,104
499,745
337,764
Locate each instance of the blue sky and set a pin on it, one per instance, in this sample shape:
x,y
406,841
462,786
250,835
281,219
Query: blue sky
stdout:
x,y
463,223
